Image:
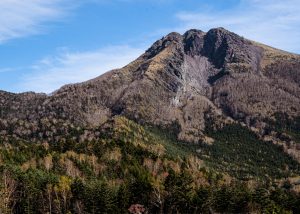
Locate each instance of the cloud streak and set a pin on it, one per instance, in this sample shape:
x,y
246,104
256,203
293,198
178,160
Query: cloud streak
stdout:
x,y
273,22
52,72
24,18
4,70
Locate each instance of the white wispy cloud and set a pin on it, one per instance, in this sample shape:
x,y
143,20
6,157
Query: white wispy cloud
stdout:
x,y
52,72
20,18
4,70
273,22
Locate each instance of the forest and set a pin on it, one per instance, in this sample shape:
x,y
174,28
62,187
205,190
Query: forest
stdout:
x,y
131,168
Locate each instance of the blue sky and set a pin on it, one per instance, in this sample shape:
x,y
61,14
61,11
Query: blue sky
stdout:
x,y
46,44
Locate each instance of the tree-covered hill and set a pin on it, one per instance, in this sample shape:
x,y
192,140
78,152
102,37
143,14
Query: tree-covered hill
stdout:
x,y
128,165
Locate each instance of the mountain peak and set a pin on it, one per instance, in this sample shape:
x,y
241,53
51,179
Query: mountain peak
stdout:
x,y
192,32
173,36
220,30
219,45
180,79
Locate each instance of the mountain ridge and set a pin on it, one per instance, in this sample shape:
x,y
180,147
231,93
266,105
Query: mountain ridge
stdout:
x,y
180,79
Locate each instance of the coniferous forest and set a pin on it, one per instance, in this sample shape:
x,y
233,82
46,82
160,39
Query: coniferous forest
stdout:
x,y
129,168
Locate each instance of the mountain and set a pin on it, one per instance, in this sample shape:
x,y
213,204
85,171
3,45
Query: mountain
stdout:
x,y
231,103
180,80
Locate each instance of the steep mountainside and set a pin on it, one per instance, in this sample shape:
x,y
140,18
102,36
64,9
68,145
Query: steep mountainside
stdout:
x,y
181,80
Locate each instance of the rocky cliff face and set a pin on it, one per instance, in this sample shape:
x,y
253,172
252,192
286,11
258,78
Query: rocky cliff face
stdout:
x,y
181,79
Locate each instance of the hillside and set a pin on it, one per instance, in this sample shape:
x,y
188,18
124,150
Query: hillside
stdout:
x,y
128,165
212,109
179,79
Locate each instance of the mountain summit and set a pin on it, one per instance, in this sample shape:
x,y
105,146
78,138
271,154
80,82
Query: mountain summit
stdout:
x,y
181,81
